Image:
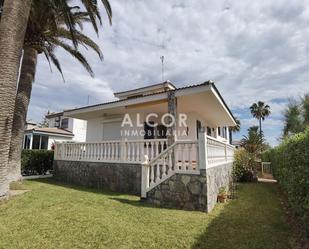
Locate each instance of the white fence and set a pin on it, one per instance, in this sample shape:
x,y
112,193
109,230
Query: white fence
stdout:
x,y
185,152
218,152
111,151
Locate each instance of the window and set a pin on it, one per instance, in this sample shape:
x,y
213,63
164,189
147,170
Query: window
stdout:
x,y
208,131
36,142
27,139
161,131
44,143
40,142
65,123
149,131
219,131
198,127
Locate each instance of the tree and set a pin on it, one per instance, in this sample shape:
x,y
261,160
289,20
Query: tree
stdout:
x,y
253,145
260,111
305,109
253,142
14,16
46,30
233,129
292,119
44,123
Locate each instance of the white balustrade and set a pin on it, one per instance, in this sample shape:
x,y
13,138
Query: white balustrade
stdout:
x,y
218,152
111,151
181,157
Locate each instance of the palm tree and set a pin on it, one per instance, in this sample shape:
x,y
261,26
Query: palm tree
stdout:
x,y
233,129
260,111
253,144
45,32
12,31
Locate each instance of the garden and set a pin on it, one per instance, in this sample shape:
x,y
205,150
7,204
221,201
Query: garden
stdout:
x,y
53,215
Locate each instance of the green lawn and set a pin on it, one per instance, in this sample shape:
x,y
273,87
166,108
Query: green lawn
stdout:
x,y
60,216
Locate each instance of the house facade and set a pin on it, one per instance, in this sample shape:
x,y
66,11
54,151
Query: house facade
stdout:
x,y
169,145
60,129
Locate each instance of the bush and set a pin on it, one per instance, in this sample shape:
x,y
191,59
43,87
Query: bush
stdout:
x,y
242,168
35,162
290,163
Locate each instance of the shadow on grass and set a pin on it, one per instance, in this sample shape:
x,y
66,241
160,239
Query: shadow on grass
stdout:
x,y
135,203
94,190
252,221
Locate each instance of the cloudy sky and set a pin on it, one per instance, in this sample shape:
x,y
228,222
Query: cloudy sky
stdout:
x,y
253,50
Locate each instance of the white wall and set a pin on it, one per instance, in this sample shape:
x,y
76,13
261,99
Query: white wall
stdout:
x,y
79,129
110,128
54,138
94,130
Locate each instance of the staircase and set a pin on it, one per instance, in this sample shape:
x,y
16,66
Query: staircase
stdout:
x,y
180,157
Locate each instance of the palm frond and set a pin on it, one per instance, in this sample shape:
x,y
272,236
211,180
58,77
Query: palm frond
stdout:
x,y
50,55
76,54
81,39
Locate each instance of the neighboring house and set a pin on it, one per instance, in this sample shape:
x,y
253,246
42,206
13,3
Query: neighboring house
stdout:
x,y
76,126
133,145
236,143
60,129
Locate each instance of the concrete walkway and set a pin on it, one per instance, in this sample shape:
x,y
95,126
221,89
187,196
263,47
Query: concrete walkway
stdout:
x,y
37,177
266,180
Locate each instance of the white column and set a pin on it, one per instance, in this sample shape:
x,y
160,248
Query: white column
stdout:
x,y
227,135
123,150
31,140
216,132
145,177
202,150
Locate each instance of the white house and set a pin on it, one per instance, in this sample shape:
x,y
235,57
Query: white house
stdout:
x,y
202,104
147,138
59,129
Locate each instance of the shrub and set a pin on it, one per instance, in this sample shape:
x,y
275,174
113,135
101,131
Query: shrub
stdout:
x,y
290,162
36,161
242,168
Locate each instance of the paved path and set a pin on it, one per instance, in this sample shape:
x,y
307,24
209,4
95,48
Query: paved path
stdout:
x,y
37,177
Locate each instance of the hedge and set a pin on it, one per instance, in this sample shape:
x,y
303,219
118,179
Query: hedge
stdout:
x,y
290,162
35,162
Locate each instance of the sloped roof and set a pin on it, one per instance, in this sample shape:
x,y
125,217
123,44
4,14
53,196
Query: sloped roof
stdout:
x,y
206,83
54,114
57,131
137,97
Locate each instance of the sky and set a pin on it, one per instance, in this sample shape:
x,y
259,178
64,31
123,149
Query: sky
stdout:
x,y
252,50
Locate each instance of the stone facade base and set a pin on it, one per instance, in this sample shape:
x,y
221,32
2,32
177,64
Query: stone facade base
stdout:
x,y
181,191
118,177
192,192
217,177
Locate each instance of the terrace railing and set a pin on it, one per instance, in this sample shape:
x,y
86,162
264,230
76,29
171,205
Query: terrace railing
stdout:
x,y
130,151
218,152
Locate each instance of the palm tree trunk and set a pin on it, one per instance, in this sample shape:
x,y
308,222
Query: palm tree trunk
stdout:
x,y
22,100
260,121
12,32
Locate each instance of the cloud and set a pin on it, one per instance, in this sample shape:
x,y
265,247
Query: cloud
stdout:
x,y
252,50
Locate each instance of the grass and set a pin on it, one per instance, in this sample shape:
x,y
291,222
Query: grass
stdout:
x,y
61,216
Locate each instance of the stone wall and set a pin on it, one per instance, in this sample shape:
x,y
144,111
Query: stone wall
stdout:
x,y
101,175
217,177
181,191
192,192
